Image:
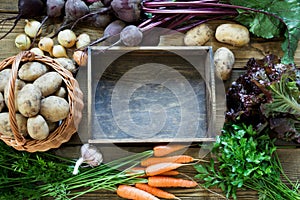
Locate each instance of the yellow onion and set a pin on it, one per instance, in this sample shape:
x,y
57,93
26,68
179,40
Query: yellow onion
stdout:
x,y
66,38
22,42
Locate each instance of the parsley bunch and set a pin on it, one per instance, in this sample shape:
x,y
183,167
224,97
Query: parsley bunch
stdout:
x,y
246,158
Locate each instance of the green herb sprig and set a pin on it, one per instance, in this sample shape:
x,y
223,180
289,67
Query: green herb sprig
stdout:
x,y
246,159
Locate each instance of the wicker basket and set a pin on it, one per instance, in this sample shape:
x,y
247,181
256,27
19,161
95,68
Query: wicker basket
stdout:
x,y
68,126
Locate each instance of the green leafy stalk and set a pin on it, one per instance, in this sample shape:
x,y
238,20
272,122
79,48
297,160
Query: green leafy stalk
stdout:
x,y
269,17
245,158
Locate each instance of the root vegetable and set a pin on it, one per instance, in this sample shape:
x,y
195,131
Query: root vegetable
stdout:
x,y
81,58
129,192
131,36
29,100
127,10
111,32
55,8
46,44
22,42
52,126
37,128
223,61
48,83
4,78
32,28
166,181
30,71
58,51
18,86
160,168
162,150
74,9
155,191
67,63
54,108
101,18
37,51
5,128
198,35
66,38
174,159
61,92
234,34
2,104
83,40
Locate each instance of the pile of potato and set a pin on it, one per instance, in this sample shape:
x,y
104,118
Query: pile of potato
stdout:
x,y
40,100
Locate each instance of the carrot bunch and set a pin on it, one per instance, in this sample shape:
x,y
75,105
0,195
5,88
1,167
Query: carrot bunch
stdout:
x,y
160,171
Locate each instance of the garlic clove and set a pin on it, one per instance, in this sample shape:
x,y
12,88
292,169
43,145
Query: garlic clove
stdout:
x,y
32,28
59,51
83,40
22,42
46,44
66,38
90,155
37,51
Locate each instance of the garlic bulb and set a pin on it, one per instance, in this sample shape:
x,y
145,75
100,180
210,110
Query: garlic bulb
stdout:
x,y
46,44
83,40
32,28
22,42
90,155
80,57
37,51
66,38
59,51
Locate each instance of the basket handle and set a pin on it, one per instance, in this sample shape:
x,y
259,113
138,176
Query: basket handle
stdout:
x,y
22,56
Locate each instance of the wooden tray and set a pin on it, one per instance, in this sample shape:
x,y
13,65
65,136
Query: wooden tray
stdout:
x,y
148,94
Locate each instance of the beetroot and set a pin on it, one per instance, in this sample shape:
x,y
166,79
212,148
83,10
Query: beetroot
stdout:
x,y
75,9
127,10
131,36
55,8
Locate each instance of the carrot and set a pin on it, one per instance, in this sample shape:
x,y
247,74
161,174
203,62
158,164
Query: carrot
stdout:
x,y
174,159
165,181
140,170
170,173
163,150
160,168
155,191
130,192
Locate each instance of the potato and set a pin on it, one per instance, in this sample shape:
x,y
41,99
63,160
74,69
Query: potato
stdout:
x,y
61,92
2,104
224,61
52,126
5,128
48,83
54,108
18,86
29,100
32,70
67,63
198,35
4,78
234,34
37,127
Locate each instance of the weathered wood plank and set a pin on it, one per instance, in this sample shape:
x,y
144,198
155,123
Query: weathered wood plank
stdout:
x,y
10,6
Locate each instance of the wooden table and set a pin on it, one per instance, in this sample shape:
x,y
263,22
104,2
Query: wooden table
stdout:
x,y
290,155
